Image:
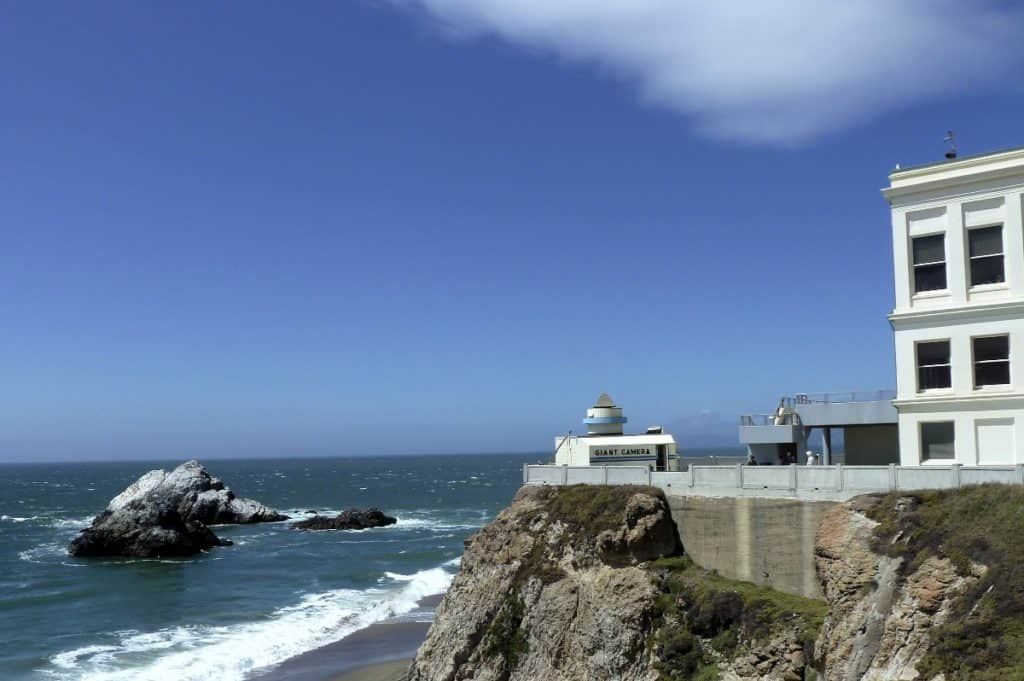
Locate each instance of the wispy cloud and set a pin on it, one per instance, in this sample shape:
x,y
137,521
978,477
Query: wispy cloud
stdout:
x,y
764,71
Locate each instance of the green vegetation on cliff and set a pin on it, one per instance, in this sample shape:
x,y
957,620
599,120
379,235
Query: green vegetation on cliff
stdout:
x,y
983,639
701,618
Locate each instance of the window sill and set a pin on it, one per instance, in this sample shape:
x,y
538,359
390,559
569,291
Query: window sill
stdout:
x,y
935,392
996,388
926,295
979,288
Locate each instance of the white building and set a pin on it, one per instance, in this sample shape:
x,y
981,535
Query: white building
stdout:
x,y
606,445
958,251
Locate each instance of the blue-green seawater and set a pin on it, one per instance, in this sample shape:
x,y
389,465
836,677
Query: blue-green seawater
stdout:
x,y
232,611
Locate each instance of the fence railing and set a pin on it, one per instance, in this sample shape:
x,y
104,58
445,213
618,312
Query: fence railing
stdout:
x,y
793,478
842,397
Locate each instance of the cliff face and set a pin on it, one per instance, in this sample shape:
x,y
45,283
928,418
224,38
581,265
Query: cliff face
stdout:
x,y
589,583
925,586
550,590
576,584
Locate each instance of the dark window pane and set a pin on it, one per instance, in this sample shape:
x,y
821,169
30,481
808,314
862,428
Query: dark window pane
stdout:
x,y
993,347
935,352
987,241
937,440
930,277
930,249
930,378
987,270
991,373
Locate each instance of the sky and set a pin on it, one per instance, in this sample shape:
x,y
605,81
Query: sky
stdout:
x,y
425,226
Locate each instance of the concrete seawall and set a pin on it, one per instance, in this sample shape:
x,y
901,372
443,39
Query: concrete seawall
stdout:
x,y
768,541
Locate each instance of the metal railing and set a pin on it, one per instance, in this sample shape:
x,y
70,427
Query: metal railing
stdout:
x,y
842,397
837,481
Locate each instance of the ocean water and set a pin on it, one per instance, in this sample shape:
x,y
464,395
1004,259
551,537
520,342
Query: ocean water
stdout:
x,y
233,612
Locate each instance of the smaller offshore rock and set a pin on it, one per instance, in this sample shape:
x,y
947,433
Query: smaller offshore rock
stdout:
x,y
352,519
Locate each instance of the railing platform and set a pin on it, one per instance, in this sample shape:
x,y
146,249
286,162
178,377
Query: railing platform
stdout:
x,y
813,482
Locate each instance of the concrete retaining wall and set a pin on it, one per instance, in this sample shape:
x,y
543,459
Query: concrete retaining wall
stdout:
x,y
765,541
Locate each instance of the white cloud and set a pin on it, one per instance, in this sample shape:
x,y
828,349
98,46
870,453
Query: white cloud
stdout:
x,y
765,71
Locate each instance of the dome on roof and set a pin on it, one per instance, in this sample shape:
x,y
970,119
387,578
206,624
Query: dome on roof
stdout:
x,y
605,400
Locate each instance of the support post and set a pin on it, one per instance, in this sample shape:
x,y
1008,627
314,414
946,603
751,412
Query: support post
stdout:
x,y
1020,473
955,470
839,470
604,470
792,476
826,446
565,476
526,473
892,477
739,476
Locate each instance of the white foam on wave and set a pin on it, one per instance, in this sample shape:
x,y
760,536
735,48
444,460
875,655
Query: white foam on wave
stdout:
x,y
18,519
229,653
434,525
37,554
72,523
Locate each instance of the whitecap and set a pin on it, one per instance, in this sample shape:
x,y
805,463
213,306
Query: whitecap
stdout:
x,y
18,519
37,553
229,653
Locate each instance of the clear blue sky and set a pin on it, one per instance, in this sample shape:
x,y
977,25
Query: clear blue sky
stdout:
x,y
256,229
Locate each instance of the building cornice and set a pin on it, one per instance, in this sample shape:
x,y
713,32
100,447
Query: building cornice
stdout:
x,y
957,173
930,402
961,313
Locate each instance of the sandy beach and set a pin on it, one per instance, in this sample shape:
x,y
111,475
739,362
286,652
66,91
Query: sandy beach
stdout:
x,y
386,671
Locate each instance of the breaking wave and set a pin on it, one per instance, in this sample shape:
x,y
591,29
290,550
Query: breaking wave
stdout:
x,y
229,653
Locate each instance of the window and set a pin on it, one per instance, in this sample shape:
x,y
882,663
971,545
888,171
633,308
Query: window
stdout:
x,y
929,263
991,361
937,441
985,247
933,370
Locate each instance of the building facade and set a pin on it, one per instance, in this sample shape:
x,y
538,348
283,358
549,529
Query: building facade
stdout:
x,y
958,321
605,444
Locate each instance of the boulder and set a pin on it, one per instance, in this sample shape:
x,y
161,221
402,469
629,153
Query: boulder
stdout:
x,y
352,519
144,528
167,514
197,495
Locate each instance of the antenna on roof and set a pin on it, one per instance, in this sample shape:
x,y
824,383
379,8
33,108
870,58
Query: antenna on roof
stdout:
x,y
949,139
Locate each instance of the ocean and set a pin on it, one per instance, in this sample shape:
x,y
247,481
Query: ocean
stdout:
x,y
234,613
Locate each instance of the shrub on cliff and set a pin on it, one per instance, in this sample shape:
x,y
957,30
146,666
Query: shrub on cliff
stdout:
x,y
702,618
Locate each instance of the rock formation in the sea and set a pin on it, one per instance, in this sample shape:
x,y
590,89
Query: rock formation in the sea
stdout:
x,y
352,519
167,514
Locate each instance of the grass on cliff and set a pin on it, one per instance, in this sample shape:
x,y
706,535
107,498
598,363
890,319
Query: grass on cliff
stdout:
x,y
586,511
589,510
983,639
695,605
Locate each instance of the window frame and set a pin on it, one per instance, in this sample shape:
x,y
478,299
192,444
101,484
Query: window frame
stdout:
x,y
921,442
915,265
918,366
975,362
971,259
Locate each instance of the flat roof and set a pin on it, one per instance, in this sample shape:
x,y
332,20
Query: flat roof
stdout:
x,y
954,161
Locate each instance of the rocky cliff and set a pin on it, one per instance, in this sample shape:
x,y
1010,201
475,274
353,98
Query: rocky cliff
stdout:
x,y
590,583
925,586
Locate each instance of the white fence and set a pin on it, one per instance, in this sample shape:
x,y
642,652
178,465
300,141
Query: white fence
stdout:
x,y
748,480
